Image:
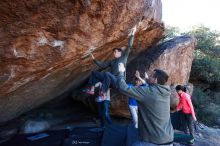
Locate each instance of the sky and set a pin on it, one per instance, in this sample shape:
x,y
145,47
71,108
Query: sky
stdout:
x,y
187,13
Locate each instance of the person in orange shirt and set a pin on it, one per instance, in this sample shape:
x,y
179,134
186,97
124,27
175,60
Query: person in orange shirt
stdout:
x,y
186,106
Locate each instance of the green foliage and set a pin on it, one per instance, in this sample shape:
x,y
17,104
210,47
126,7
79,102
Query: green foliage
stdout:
x,y
207,110
207,40
206,69
207,59
199,97
170,33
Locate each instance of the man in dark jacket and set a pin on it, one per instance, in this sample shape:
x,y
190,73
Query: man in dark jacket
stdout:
x,y
153,108
120,57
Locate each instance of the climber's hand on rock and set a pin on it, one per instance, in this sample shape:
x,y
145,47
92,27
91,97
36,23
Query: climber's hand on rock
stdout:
x,y
92,55
133,30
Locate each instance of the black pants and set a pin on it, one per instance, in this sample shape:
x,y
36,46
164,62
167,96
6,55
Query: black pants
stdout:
x,y
187,123
106,78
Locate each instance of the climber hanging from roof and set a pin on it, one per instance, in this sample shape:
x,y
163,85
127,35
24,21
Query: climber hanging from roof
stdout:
x,y
120,56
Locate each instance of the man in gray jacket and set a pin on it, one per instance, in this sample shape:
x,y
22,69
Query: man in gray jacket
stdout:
x,y
153,108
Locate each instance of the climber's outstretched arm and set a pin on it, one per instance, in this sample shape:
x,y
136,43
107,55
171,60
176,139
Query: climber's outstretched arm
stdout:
x,y
130,43
100,63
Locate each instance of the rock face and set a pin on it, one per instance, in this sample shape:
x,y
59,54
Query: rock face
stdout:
x,y
174,56
44,45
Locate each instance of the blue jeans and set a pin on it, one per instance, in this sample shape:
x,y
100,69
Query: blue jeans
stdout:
x,y
103,111
96,77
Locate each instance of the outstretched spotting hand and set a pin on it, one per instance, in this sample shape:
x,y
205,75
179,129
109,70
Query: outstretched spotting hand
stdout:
x,y
146,76
121,67
137,74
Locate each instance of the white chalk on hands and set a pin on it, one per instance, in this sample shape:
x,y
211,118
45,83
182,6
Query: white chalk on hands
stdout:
x,y
134,29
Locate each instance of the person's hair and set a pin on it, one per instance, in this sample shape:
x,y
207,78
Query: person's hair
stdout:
x,y
118,49
161,76
180,87
184,89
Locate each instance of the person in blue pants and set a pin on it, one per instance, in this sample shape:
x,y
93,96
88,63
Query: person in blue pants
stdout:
x,y
132,103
